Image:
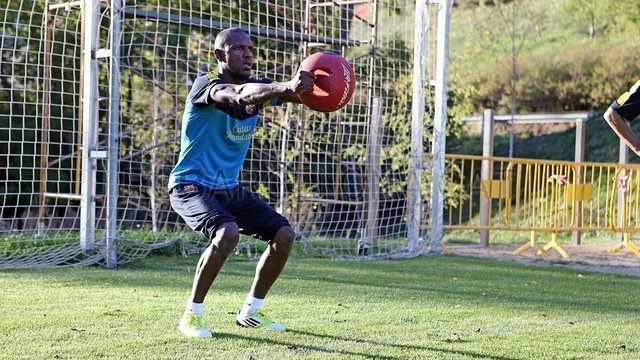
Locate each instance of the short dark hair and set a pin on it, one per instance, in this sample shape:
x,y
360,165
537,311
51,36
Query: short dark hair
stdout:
x,y
223,36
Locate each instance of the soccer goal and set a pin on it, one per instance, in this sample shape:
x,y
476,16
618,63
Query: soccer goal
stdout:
x,y
91,105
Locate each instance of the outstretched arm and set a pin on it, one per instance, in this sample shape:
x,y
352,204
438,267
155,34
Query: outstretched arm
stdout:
x,y
257,93
622,128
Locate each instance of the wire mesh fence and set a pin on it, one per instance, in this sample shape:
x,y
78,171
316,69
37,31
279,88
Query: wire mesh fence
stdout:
x,y
341,178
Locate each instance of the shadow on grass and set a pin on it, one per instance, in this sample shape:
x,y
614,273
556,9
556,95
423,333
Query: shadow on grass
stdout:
x,y
477,281
293,346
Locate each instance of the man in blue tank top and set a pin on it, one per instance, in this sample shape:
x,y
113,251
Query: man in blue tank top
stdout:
x,y
220,117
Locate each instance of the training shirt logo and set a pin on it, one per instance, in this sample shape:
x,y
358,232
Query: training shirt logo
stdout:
x,y
250,109
240,133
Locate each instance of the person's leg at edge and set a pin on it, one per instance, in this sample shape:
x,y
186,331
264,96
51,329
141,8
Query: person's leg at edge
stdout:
x,y
268,269
212,259
209,265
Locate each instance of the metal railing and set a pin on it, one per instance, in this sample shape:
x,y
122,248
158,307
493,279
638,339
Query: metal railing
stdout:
x,y
494,194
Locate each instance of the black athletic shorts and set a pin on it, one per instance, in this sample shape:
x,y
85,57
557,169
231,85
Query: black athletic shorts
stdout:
x,y
204,210
628,104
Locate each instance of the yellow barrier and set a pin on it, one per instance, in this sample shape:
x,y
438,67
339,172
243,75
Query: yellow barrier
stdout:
x,y
627,187
542,196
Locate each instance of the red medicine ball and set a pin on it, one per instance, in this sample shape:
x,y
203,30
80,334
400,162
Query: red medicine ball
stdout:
x,y
334,85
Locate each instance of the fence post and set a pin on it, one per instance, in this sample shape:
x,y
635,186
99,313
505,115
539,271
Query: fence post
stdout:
x,y
579,157
622,159
486,173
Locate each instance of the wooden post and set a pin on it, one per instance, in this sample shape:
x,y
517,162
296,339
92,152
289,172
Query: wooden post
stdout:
x,y
579,157
486,173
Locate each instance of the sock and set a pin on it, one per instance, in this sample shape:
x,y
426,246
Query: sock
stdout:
x,y
194,308
251,305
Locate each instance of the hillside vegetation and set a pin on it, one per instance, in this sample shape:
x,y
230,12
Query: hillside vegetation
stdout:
x,y
557,56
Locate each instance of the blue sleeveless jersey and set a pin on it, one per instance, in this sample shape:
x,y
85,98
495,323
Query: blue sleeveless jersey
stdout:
x,y
215,137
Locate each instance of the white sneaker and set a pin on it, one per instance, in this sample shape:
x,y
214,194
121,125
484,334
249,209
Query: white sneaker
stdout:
x,y
258,320
192,326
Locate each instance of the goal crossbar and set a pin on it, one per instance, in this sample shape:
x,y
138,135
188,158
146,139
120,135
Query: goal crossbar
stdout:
x,y
262,31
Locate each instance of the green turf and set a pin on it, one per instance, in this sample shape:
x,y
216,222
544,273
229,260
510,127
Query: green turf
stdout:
x,y
429,307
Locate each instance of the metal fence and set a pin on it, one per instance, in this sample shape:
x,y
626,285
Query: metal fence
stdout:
x,y
502,194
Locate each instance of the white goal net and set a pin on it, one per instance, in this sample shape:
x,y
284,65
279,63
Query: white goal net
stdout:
x,y
343,179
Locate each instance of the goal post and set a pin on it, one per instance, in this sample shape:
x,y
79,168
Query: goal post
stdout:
x,y
414,202
113,147
439,125
89,131
362,182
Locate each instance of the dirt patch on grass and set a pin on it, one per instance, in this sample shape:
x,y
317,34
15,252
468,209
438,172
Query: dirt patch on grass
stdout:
x,y
597,258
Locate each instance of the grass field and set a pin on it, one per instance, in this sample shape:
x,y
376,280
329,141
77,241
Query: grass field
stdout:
x,y
429,307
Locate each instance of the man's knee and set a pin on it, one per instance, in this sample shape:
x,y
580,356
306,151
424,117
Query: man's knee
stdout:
x,y
283,241
227,237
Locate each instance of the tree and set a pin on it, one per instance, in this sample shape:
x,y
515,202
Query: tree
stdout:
x,y
604,15
519,20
